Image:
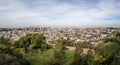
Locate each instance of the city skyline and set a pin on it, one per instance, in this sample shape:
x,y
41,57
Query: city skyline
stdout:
x,y
60,13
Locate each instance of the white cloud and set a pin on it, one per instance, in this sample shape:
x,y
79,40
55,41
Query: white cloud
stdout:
x,y
58,13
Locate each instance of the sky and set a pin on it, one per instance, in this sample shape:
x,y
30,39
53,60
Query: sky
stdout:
x,y
60,13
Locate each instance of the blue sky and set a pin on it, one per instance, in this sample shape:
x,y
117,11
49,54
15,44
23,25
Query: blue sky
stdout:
x,y
81,13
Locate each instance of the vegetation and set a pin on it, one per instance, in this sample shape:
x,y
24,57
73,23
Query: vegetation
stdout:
x,y
105,53
8,56
32,42
33,50
59,53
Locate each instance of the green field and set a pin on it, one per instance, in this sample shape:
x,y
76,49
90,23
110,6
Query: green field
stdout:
x,y
46,57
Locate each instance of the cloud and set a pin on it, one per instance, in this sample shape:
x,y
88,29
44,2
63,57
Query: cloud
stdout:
x,y
90,13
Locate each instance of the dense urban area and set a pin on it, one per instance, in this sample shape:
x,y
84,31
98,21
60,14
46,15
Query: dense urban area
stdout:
x,y
51,34
59,46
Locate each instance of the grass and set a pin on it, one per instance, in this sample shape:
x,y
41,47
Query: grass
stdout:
x,y
46,57
69,57
40,58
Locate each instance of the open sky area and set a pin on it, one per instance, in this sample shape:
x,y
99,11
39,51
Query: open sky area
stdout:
x,y
61,13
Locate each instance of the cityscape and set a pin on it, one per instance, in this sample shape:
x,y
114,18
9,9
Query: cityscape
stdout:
x,y
76,34
59,32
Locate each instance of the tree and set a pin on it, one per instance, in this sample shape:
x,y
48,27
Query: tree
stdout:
x,y
31,42
68,42
8,56
79,58
109,52
59,53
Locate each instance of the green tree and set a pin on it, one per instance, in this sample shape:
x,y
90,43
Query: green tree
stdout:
x,y
8,56
31,42
68,42
79,58
108,53
59,53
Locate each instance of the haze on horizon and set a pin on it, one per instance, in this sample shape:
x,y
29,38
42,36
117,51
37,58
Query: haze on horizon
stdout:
x,y
81,13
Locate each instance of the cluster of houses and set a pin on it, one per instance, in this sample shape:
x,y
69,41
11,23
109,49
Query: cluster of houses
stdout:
x,y
51,34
